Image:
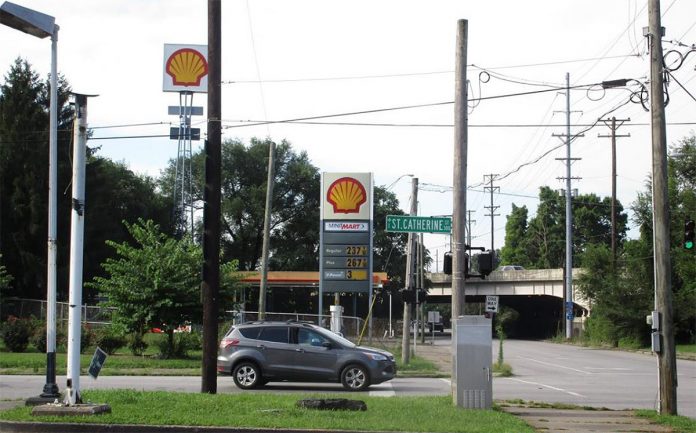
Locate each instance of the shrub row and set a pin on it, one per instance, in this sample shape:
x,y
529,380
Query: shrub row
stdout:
x,y
18,333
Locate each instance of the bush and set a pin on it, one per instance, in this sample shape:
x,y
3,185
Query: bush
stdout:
x,y
38,338
183,343
109,341
86,337
16,333
137,343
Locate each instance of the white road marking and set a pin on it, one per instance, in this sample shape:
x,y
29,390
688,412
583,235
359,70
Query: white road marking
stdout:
x,y
555,365
383,392
609,368
547,386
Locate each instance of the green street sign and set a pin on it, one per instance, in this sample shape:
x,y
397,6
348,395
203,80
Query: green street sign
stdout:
x,y
418,224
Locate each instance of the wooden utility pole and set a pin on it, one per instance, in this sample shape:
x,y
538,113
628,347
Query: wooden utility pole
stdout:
x,y
409,278
491,178
461,142
210,287
267,230
666,357
468,229
613,126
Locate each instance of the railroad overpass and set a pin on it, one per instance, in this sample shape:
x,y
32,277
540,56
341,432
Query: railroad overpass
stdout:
x,y
537,295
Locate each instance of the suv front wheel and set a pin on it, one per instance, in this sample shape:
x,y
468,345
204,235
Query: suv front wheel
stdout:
x,y
355,378
247,375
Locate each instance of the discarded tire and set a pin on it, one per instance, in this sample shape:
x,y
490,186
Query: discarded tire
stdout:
x,y
332,404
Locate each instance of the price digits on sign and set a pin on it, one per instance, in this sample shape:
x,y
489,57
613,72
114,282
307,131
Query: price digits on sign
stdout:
x,y
356,250
356,275
356,263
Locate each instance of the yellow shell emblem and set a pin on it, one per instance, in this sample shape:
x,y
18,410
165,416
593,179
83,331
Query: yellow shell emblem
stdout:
x,y
346,195
187,67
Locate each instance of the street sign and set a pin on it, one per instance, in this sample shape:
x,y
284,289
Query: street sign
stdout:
x,y
175,110
491,304
182,133
418,224
97,363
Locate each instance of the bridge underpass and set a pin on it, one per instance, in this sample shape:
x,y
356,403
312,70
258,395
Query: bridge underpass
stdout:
x,y
537,295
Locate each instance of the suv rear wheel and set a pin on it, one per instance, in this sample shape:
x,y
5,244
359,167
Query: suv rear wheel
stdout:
x,y
247,375
355,378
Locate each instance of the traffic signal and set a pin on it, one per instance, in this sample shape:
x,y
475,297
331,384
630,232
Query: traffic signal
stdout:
x,y
689,235
447,265
409,296
486,262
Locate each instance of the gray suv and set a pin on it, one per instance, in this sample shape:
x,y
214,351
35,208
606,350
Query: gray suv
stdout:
x,y
256,353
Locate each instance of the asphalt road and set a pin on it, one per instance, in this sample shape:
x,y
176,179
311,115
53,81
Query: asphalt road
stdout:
x,y
542,372
589,377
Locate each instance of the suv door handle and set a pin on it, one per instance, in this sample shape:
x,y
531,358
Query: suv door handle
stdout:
x,y
299,350
261,346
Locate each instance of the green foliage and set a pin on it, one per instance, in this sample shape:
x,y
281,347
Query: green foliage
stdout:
x,y
539,242
502,369
622,295
5,278
114,193
514,251
180,346
136,343
109,340
15,333
295,211
155,284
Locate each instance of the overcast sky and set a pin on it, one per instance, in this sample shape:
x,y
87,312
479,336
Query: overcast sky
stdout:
x,y
292,59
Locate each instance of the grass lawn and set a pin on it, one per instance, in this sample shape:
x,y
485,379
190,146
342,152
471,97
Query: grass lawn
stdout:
x,y
680,424
686,348
414,414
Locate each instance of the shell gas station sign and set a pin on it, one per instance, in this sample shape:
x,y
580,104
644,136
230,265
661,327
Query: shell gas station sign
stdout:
x,y
185,68
345,255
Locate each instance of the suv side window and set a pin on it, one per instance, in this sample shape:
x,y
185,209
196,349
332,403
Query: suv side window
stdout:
x,y
308,337
276,334
250,333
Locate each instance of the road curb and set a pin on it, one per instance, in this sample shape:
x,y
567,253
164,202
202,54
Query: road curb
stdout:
x,y
37,427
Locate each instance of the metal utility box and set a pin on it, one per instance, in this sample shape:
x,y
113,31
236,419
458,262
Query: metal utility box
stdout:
x,y
472,341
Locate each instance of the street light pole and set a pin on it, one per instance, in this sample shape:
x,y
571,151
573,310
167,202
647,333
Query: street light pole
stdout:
x,y
41,26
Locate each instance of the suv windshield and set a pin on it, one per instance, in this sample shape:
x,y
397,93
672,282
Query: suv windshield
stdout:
x,y
335,337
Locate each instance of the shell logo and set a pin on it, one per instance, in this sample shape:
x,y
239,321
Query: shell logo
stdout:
x,y
186,67
346,195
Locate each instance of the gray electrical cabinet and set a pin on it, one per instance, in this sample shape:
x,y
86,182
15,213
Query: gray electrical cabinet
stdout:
x,y
472,341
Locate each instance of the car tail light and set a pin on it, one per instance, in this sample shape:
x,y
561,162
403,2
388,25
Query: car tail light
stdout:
x,y
226,343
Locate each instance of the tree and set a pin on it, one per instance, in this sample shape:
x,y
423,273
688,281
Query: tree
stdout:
x,y
295,213
115,194
621,300
155,284
514,251
24,104
540,243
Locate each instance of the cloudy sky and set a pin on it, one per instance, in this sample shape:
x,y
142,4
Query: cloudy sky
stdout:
x,y
292,59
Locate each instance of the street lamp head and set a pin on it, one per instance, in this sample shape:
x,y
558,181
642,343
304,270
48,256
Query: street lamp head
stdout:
x,y
27,20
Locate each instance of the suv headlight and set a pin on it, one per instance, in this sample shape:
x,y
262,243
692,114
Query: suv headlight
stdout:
x,y
375,356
